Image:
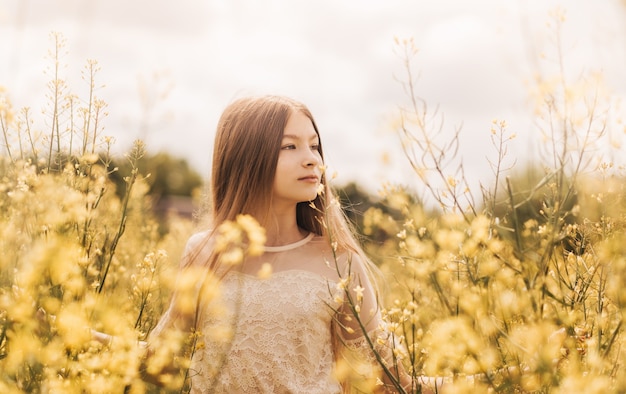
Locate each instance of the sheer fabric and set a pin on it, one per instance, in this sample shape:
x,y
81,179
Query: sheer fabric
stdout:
x,y
284,332
281,326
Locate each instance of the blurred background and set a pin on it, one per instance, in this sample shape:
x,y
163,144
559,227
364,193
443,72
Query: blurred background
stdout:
x,y
169,68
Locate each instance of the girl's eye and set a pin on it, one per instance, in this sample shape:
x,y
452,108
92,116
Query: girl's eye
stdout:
x,y
315,146
287,147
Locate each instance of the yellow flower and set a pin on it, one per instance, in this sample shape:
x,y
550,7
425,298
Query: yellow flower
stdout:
x,y
359,293
233,256
69,322
451,181
265,271
228,234
342,284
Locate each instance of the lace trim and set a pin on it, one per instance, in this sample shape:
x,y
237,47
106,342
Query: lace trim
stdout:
x,y
361,346
286,272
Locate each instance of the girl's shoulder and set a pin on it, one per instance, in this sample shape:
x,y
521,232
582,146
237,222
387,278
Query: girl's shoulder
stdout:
x,y
198,247
347,260
198,238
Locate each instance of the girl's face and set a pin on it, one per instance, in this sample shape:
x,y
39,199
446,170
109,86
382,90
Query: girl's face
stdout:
x,y
298,170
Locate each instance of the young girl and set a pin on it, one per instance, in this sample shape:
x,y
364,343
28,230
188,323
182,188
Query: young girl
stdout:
x,y
285,330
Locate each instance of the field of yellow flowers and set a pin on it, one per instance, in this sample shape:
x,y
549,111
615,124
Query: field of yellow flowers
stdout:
x,y
521,288
522,291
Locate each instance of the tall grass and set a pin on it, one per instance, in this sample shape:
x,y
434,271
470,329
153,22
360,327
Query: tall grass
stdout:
x,y
517,285
520,291
74,255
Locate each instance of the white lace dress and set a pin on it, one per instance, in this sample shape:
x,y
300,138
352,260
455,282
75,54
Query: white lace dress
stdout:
x,y
282,328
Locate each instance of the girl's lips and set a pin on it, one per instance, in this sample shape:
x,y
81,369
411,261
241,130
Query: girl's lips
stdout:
x,y
311,178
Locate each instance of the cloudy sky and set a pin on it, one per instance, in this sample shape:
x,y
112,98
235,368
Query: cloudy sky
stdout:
x,y
171,67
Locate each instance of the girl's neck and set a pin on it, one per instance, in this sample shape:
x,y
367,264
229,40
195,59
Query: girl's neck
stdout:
x,y
282,229
278,236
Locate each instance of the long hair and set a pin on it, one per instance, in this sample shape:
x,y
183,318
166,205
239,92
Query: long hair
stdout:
x,y
245,156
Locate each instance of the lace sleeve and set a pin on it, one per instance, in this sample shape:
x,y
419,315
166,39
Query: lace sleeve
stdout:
x,y
366,346
365,359
191,278
390,352
376,347
170,340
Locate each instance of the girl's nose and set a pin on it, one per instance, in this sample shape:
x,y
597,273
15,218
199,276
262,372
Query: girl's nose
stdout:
x,y
311,159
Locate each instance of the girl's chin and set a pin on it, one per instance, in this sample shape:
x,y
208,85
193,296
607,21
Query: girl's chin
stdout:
x,y
309,199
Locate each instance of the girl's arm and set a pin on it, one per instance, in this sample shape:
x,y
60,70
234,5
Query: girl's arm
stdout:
x,y
362,327
360,319
360,324
166,341
171,342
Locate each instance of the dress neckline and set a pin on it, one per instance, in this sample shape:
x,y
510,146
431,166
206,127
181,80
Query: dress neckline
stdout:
x,y
283,248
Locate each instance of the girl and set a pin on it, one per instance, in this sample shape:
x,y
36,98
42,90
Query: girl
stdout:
x,y
286,330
